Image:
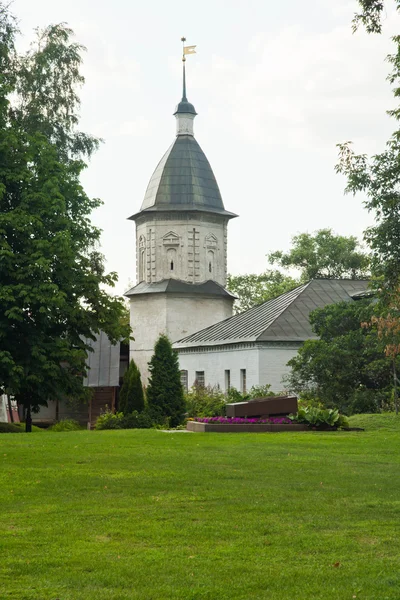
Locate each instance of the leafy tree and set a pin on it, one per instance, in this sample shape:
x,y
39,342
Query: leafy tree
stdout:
x,y
165,392
253,289
52,276
131,396
323,254
346,367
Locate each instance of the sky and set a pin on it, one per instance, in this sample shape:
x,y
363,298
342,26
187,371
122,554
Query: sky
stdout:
x,y
276,86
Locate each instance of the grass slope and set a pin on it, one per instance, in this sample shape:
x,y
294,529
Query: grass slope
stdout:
x,y
115,515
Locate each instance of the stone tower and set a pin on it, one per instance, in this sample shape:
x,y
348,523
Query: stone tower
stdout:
x,y
181,246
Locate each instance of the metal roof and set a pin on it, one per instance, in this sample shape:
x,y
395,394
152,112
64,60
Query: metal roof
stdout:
x,y
285,318
103,362
176,286
183,180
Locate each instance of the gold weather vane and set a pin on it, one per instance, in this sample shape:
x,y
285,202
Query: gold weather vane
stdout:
x,y
187,49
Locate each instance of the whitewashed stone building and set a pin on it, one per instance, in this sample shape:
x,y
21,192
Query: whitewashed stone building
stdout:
x,y
252,348
181,246
181,269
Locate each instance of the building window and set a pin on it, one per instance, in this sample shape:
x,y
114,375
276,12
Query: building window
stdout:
x,y
243,387
184,380
227,381
200,379
172,265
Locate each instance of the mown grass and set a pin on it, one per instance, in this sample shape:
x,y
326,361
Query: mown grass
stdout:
x,y
153,515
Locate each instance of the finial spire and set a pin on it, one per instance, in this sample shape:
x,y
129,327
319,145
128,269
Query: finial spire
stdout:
x,y
185,111
184,99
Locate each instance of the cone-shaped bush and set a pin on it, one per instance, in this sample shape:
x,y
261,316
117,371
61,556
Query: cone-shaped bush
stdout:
x,y
131,395
165,391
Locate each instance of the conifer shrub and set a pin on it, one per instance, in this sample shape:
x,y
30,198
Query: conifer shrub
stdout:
x,y
165,392
131,397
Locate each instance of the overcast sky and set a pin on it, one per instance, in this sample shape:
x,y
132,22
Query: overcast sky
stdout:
x,y
276,86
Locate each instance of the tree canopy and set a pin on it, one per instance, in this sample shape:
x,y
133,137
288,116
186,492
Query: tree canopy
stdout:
x,y
323,254
52,274
131,396
252,289
346,367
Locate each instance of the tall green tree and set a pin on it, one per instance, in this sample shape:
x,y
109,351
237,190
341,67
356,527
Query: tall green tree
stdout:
x,y
131,396
252,289
323,254
52,275
165,392
346,367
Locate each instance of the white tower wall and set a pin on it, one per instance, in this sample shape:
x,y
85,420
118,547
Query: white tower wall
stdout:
x,y
191,247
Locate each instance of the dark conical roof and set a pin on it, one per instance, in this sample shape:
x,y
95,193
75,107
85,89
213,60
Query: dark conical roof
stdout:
x,y
183,180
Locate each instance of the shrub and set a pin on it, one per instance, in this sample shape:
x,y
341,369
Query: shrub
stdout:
x,y
165,391
233,396
320,417
261,391
205,402
131,396
135,420
10,428
66,425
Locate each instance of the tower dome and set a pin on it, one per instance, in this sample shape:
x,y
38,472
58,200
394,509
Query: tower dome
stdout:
x,y
183,179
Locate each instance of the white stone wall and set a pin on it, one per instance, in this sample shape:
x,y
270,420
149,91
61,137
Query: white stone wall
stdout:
x,y
273,364
214,362
195,243
175,315
264,365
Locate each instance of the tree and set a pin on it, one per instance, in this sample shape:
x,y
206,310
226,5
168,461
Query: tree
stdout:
x,y
323,254
346,367
253,289
378,177
131,396
52,275
165,391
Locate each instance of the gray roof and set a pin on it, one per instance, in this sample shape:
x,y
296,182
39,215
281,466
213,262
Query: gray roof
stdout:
x,y
183,180
176,286
103,362
285,318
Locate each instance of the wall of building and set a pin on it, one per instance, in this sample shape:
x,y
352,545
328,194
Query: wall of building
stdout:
x,y
175,315
263,364
273,363
215,361
187,246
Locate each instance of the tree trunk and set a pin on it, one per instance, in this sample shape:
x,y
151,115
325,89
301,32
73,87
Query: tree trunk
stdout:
x,y
395,392
28,420
10,408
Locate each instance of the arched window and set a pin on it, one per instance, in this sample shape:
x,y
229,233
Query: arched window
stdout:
x,y
171,260
210,262
142,258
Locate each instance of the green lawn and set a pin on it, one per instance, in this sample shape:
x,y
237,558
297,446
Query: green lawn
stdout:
x,y
113,515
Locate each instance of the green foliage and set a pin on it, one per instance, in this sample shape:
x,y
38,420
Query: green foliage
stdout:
x,y
10,428
261,391
16,428
134,420
52,276
66,425
346,359
324,254
320,417
205,401
252,289
131,397
165,391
